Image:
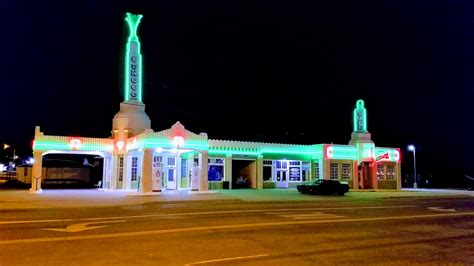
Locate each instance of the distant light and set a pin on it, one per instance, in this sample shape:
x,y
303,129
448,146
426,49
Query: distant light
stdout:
x,y
178,141
411,147
120,144
2,167
329,152
75,144
31,161
159,150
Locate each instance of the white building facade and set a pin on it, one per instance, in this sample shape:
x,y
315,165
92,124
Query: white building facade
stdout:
x,y
136,157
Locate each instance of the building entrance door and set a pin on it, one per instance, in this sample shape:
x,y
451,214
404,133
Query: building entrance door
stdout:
x,y
365,178
281,179
157,181
171,173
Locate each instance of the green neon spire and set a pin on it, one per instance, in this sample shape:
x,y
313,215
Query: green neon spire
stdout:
x,y
133,21
360,117
133,61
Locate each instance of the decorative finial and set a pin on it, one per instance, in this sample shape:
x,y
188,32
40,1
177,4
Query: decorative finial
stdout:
x,y
133,21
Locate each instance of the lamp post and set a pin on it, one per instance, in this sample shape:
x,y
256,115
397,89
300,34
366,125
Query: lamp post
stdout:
x,y
6,146
413,149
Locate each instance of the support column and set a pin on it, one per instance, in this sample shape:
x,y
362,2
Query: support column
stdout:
x,y
260,172
399,176
203,178
147,170
37,172
373,175
228,169
355,175
326,168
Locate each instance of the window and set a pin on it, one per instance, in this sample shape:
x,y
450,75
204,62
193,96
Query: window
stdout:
x,y
295,173
295,163
316,170
267,173
171,161
305,168
334,171
134,168
216,161
390,172
380,172
281,164
215,172
346,171
120,169
267,162
184,164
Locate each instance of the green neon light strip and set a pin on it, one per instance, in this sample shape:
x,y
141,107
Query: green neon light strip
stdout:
x,y
344,153
133,21
67,147
233,152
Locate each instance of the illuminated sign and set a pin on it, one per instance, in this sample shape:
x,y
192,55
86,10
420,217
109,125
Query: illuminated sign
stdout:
x,y
133,59
383,157
75,144
360,117
120,144
178,141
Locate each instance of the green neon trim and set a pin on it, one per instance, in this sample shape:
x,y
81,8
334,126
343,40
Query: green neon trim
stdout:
x,y
360,117
233,152
67,146
169,144
344,153
133,21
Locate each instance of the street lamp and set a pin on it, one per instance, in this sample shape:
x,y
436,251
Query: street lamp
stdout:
x,y
413,149
6,146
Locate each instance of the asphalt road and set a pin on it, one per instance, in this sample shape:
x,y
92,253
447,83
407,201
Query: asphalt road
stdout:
x,y
328,230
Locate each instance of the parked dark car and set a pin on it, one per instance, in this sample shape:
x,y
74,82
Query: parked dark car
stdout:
x,y
321,186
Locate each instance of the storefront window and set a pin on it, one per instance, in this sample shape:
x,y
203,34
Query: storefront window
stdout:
x,y
316,170
346,171
267,173
305,171
295,173
334,171
380,172
120,168
390,172
215,169
134,168
215,173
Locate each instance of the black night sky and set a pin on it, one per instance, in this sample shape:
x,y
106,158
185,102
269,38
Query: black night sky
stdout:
x,y
255,70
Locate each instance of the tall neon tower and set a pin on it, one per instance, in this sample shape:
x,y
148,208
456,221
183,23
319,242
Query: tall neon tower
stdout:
x,y
131,119
133,59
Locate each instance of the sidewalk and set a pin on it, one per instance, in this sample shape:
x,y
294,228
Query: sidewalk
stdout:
x,y
87,198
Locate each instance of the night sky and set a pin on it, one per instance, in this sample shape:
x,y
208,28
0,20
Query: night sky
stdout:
x,y
250,70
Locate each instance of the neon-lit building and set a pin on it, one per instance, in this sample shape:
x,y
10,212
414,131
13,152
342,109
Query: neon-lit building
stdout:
x,y
136,157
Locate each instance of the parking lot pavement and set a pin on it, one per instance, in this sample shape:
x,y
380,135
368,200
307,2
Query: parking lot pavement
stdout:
x,y
73,198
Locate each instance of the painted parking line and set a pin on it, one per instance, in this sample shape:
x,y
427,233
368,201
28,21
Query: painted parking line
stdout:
x,y
227,259
230,227
202,213
305,215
